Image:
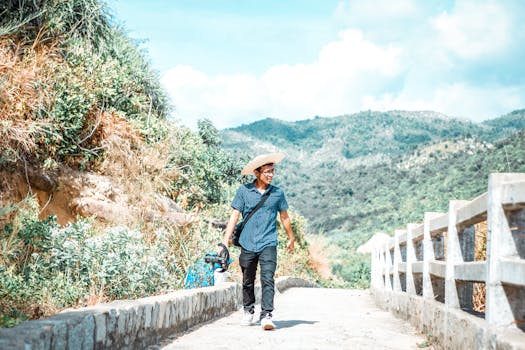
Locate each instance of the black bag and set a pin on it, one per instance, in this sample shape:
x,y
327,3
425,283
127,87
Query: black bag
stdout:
x,y
240,226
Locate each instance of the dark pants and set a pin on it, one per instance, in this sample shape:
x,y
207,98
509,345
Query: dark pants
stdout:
x,y
267,259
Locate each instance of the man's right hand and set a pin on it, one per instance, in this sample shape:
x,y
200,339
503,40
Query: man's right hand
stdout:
x,y
220,248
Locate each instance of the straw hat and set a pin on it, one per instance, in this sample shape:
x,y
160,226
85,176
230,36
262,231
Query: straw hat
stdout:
x,y
260,161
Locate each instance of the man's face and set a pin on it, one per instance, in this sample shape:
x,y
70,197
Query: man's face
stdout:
x,y
265,174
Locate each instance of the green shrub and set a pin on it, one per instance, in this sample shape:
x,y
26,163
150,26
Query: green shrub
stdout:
x,y
77,64
206,171
355,270
48,268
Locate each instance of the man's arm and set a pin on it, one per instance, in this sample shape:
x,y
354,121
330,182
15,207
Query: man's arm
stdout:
x,y
234,217
287,224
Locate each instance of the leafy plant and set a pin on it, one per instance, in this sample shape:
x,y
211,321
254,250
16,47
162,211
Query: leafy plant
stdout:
x,y
55,267
70,67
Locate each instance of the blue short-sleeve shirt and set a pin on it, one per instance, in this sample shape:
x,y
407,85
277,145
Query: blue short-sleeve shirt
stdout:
x,y
261,230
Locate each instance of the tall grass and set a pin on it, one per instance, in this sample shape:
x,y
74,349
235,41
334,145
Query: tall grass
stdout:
x,y
66,61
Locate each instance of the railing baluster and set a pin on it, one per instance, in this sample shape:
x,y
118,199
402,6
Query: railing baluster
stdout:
x,y
398,284
500,243
453,256
428,256
411,258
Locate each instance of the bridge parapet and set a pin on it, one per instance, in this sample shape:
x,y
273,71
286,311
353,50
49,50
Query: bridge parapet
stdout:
x,y
433,284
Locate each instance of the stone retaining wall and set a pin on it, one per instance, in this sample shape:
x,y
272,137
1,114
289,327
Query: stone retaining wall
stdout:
x,y
452,328
132,324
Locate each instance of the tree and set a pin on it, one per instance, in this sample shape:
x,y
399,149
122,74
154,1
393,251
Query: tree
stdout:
x,y
209,133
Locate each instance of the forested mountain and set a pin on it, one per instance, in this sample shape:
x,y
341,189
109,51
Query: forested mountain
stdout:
x,y
354,175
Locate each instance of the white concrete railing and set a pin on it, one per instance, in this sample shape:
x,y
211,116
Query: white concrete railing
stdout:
x,y
434,260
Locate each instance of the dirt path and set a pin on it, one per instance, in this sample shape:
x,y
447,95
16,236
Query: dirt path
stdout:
x,y
308,318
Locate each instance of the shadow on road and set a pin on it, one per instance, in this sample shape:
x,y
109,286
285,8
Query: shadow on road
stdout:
x,y
291,323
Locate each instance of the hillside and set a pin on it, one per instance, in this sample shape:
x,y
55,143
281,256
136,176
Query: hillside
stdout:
x,y
372,171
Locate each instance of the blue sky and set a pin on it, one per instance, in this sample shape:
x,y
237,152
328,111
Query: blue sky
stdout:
x,y
237,61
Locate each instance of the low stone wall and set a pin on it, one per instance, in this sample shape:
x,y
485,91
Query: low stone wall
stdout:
x,y
132,324
451,327
283,283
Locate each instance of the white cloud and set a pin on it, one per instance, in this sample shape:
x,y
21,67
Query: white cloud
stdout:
x,y
382,21
454,99
474,29
331,85
224,99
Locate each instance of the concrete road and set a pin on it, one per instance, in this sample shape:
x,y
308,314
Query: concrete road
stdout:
x,y
307,318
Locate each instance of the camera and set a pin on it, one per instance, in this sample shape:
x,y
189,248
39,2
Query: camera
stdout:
x,y
222,259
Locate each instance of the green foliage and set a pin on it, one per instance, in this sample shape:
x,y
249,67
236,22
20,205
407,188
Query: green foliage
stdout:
x,y
207,171
355,269
365,133
209,133
45,267
117,261
506,125
91,68
54,19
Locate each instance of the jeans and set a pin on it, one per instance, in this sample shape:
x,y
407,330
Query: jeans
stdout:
x,y
267,259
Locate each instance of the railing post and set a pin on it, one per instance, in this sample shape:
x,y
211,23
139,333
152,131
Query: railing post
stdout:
x,y
373,267
397,260
388,267
411,258
386,281
453,256
500,243
381,267
428,256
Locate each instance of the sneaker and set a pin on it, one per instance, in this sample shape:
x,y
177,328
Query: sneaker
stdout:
x,y
247,318
266,322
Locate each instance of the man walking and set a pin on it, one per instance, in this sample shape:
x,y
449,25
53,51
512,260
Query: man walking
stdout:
x,y
259,237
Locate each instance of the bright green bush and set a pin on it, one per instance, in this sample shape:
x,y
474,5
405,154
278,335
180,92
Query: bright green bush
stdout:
x,y
46,268
355,270
207,172
117,261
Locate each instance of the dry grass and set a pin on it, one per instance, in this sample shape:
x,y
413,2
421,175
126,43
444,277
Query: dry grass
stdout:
x,y
480,254
480,242
140,169
319,251
478,297
23,72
